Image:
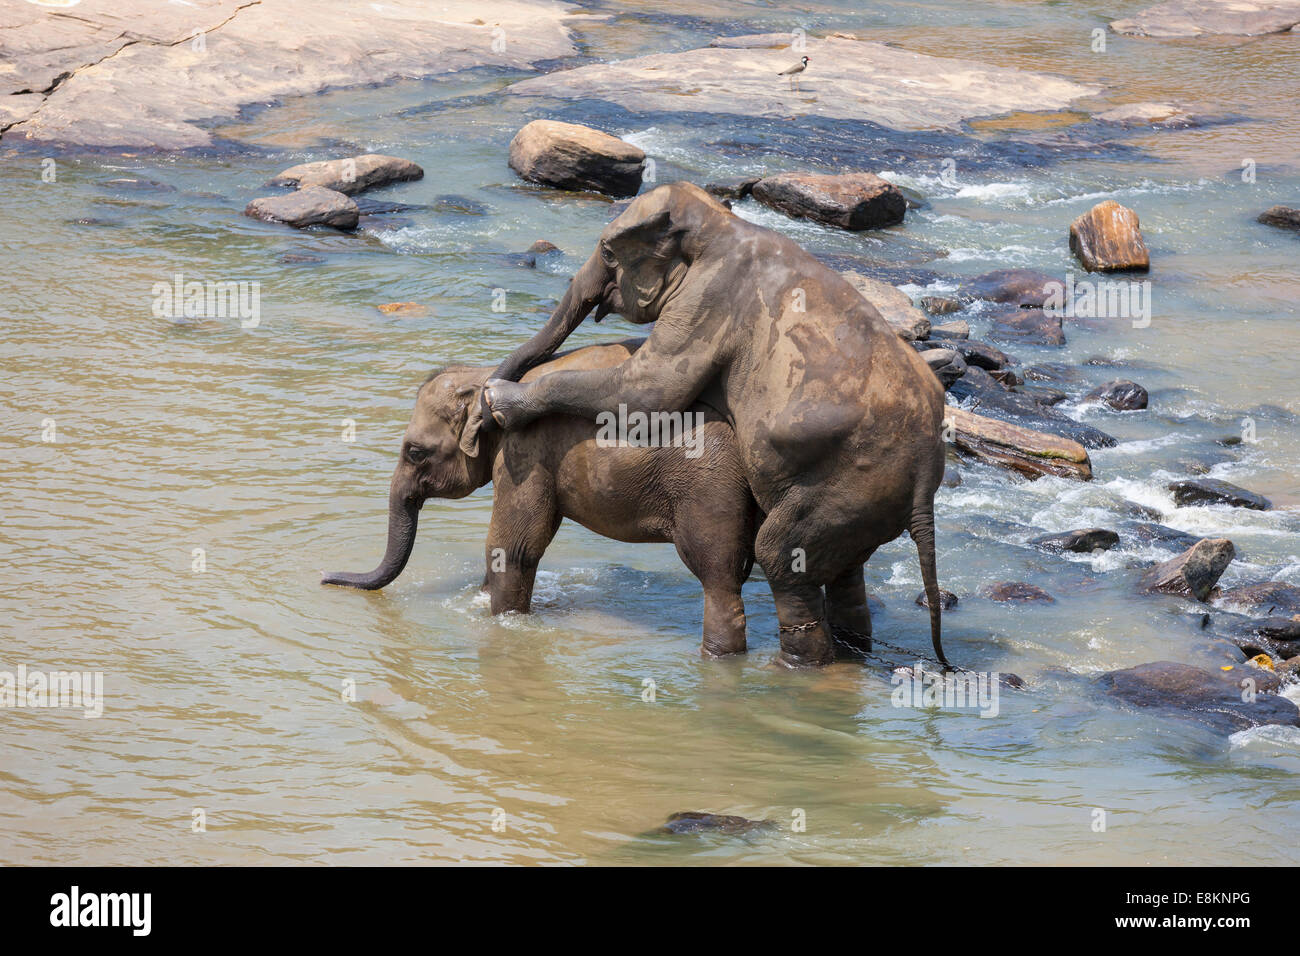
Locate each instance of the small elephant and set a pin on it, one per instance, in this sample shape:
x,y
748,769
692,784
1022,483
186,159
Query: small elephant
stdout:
x,y
837,421
692,494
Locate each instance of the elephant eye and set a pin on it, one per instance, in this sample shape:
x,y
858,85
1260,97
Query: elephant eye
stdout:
x,y
416,454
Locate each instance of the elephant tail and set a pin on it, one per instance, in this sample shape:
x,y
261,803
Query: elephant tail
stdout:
x,y
922,531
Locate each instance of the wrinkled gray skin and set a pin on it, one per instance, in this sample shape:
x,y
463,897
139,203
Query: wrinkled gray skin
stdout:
x,y
838,421
554,469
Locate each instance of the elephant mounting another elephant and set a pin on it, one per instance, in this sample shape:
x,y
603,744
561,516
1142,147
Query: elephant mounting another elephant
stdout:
x,y
834,422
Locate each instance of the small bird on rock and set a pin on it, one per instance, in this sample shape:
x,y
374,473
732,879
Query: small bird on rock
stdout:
x,y
794,71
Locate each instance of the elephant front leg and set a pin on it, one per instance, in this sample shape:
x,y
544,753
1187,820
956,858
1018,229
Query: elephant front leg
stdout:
x,y
847,610
724,621
517,538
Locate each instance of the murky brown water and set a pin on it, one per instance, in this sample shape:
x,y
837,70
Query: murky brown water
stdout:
x,y
224,688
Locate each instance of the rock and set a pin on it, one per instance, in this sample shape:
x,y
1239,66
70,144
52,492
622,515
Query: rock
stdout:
x,y
1145,114
1193,573
1024,451
980,354
852,201
1120,394
309,206
1044,394
1194,18
1268,597
950,330
1029,327
1081,541
945,363
112,75
1006,378
300,258
1018,592
894,306
1283,217
900,90
1106,238
535,252
951,478
1212,491
736,189
692,821
1053,372
352,175
1154,533
947,600
941,304
577,158
978,392
1023,288
1214,698
137,185
403,308
1279,637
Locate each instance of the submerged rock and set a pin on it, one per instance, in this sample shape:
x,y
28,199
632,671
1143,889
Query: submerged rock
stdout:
x,y
941,304
1029,327
309,206
1081,541
577,158
1214,698
1268,597
1027,452
1194,573
1146,114
693,821
1194,18
1212,491
1154,533
1018,592
350,176
1024,288
979,392
1106,238
893,305
853,201
1120,394
1284,217
947,600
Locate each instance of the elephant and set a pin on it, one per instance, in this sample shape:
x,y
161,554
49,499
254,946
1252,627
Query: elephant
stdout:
x,y
693,495
838,421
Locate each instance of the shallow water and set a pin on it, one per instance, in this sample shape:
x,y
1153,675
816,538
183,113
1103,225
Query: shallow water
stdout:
x,y
224,688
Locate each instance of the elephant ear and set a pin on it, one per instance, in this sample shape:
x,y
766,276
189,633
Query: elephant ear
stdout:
x,y
471,418
648,250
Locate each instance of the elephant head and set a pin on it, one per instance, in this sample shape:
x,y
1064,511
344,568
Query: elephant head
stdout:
x,y
431,466
640,260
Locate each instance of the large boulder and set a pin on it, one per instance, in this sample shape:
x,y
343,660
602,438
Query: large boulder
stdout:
x,y
569,156
309,206
1194,18
1213,491
352,175
1227,701
893,305
853,201
1284,217
1194,573
1106,238
1027,452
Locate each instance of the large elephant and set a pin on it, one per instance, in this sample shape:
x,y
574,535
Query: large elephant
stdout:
x,y
838,421
693,494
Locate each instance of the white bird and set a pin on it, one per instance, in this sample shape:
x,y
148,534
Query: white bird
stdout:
x,y
794,71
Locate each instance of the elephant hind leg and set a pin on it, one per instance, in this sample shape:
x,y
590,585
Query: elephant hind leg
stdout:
x,y
800,604
847,611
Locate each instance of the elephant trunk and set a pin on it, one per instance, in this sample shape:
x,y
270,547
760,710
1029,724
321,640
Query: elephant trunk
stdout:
x,y
403,516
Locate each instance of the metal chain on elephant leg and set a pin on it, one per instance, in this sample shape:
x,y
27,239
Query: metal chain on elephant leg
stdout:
x,y
839,630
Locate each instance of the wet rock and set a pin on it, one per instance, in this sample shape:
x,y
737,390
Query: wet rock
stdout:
x,y
1018,592
1027,452
300,258
1146,114
1212,491
1044,394
130,184
941,304
403,308
852,201
309,206
352,175
1080,541
1023,288
1284,217
536,252
1056,372
693,821
945,363
1006,378
951,330
1279,637
1193,573
1119,394
1029,327
1268,597
980,354
460,206
894,306
1214,698
1135,510
1106,238
735,189
947,600
577,158
1194,18
980,393
1151,532
951,478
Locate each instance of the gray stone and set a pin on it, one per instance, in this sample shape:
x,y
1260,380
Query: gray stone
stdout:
x,y
310,206
1213,698
1212,491
352,175
852,201
578,158
1193,573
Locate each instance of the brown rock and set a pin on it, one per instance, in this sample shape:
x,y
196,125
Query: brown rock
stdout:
x,y
947,600
1022,450
403,308
1193,573
352,175
894,306
1194,18
1018,592
1120,394
1284,217
1028,326
578,158
1268,597
853,201
1215,698
1106,238
310,206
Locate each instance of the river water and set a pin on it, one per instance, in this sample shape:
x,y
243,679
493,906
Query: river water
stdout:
x,y
529,739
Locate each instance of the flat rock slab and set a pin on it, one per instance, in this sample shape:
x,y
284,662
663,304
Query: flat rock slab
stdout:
x,y
893,305
847,78
309,206
1030,453
1106,238
135,76
1213,698
1018,592
1194,18
1194,573
1213,491
1269,597
1284,217
693,821
979,392
1079,541
852,201
352,175
1028,327
578,158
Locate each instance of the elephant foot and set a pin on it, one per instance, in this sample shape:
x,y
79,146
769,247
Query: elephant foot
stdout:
x,y
716,652
507,403
793,661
